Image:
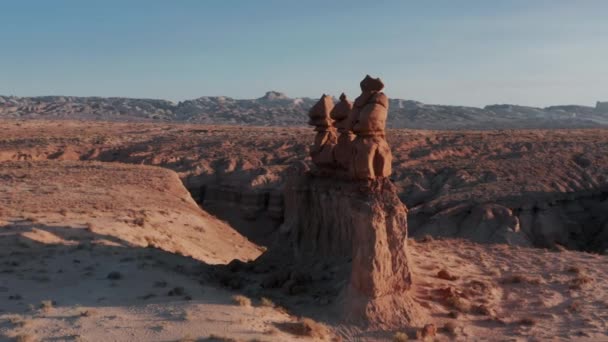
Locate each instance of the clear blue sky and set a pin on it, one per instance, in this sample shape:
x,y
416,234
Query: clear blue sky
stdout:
x,y
530,52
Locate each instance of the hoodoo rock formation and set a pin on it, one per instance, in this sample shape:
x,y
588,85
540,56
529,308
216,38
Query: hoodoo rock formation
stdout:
x,y
371,153
326,139
341,114
354,217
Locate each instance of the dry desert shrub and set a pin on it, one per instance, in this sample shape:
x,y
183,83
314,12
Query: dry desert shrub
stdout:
x,y
427,238
46,306
580,281
459,304
267,302
574,307
559,248
218,338
305,327
427,332
188,339
450,328
18,321
400,337
454,299
270,331
482,309
527,321
176,291
139,221
114,275
241,300
25,338
88,313
31,219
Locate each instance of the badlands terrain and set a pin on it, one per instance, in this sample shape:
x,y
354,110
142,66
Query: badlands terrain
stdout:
x,y
115,231
277,109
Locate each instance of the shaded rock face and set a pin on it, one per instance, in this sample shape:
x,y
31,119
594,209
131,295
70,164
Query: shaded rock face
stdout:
x,y
573,220
485,223
362,221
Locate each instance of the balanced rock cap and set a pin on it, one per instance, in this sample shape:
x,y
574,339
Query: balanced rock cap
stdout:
x,y
322,108
371,84
342,109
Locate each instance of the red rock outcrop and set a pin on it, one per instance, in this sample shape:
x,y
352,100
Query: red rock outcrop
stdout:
x,y
371,154
343,122
321,151
358,218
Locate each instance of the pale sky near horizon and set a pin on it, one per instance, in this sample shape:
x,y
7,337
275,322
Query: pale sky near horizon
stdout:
x,y
469,52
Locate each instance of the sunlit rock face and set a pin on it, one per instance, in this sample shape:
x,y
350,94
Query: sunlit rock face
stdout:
x,y
322,149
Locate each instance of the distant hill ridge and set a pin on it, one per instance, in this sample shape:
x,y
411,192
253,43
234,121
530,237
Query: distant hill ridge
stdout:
x,y
277,109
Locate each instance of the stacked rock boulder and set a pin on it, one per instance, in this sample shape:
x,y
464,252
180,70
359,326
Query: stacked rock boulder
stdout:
x,y
361,150
325,139
341,114
371,156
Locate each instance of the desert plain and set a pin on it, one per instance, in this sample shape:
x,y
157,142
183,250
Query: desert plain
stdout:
x,y
117,231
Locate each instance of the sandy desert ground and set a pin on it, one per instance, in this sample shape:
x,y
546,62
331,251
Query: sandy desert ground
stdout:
x,y
98,247
94,251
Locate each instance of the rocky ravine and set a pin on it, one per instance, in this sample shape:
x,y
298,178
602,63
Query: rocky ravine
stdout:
x,y
276,109
529,187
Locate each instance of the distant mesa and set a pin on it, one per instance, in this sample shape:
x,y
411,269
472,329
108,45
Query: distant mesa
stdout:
x,y
273,96
277,109
601,106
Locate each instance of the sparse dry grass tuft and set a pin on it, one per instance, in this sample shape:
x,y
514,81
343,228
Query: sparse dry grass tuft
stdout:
x,y
241,300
